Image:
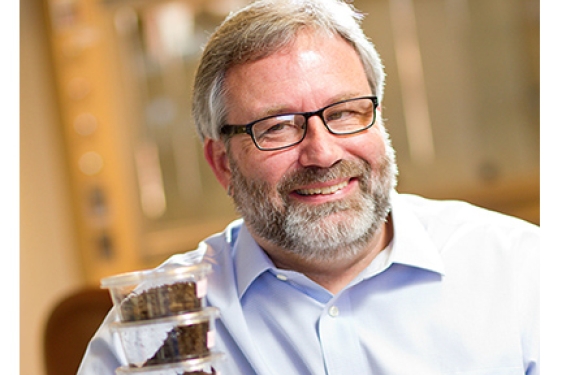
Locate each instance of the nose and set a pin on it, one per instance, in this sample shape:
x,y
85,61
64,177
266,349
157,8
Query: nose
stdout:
x,y
319,147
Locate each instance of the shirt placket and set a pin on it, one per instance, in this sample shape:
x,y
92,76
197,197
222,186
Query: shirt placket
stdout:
x,y
339,339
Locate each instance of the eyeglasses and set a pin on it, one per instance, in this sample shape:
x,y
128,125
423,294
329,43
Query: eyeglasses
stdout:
x,y
285,130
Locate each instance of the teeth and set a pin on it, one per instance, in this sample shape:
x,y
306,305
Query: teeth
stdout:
x,y
325,190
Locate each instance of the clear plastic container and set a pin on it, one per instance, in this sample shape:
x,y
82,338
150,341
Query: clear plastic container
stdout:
x,y
157,293
168,340
197,366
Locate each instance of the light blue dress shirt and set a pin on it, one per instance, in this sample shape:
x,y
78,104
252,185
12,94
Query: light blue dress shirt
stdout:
x,y
455,292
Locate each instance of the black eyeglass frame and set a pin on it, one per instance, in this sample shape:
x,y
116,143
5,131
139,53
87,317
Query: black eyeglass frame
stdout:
x,y
230,130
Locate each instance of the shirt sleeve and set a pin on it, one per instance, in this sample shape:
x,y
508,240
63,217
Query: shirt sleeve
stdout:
x,y
528,295
103,354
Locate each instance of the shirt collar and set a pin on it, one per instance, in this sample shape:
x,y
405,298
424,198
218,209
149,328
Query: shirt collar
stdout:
x,y
411,246
250,260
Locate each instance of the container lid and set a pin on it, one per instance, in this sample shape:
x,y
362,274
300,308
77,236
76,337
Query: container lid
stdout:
x,y
167,273
177,320
185,366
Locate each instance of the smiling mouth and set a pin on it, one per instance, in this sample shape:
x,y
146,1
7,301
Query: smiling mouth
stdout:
x,y
324,190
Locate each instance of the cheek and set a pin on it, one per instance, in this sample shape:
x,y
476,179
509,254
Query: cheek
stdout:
x,y
260,166
369,146
270,171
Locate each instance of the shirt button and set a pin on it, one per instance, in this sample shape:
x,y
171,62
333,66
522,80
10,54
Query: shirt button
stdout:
x,y
281,277
333,311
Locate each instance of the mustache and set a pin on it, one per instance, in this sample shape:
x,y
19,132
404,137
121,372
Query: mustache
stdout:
x,y
343,169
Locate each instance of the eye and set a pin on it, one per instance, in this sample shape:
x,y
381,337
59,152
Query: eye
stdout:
x,y
341,115
279,126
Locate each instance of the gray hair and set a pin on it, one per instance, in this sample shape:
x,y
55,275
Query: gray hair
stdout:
x,y
259,30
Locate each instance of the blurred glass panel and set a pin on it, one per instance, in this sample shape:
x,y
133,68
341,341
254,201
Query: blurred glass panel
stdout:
x,y
479,64
159,46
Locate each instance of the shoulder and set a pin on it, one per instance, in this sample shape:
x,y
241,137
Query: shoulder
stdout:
x,y
457,213
221,244
453,221
211,248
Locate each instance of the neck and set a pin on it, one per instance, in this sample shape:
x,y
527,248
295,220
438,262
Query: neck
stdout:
x,y
330,274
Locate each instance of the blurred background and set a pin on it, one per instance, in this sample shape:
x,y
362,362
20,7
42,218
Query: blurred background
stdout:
x,y
112,177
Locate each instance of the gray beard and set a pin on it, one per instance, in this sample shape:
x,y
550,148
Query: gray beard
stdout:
x,y
308,231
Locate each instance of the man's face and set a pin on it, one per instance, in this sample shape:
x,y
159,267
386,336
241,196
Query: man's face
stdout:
x,y
324,198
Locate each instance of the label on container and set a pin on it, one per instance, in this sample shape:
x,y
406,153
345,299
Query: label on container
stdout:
x,y
202,288
211,339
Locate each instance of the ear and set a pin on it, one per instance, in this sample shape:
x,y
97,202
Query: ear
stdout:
x,y
215,154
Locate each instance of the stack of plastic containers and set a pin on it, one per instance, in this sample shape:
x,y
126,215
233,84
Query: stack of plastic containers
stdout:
x,y
164,324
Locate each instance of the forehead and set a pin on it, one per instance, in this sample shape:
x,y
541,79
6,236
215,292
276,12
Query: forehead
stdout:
x,y
313,71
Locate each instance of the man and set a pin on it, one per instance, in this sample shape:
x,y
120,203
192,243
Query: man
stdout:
x,y
331,271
